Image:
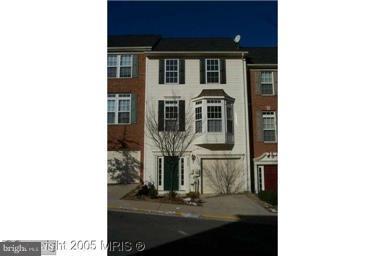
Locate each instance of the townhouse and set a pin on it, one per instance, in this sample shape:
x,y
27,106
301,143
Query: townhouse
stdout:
x,y
227,93
262,88
126,97
204,77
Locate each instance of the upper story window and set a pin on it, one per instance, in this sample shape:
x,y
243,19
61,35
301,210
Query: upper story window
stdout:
x,y
266,83
269,126
198,120
171,115
172,71
214,115
212,70
119,108
121,66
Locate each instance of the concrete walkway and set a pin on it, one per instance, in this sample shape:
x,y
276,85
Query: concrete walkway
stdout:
x,y
116,192
228,207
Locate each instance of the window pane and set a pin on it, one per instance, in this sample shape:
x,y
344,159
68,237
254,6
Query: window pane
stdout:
x,y
112,60
213,65
125,72
269,135
111,117
266,77
123,117
111,105
214,125
199,126
126,60
124,105
266,89
212,77
171,125
112,72
230,126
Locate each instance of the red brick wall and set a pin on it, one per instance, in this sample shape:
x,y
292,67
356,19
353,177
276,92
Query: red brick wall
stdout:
x,y
132,134
261,103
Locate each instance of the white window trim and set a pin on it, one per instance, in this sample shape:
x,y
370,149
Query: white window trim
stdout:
x,y
206,71
275,126
160,187
165,113
165,71
182,186
262,181
118,66
201,118
117,98
223,116
273,82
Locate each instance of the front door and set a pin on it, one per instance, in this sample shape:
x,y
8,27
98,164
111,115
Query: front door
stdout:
x,y
171,173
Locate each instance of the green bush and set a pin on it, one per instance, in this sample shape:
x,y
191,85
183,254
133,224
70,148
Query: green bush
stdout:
x,y
193,195
268,196
152,191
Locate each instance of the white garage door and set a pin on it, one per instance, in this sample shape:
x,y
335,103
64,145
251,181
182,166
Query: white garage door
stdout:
x,y
215,173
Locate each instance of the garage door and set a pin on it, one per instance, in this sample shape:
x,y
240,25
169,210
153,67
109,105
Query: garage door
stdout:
x,y
215,171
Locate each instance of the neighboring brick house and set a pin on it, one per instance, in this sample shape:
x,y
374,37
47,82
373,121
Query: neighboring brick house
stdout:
x,y
262,89
126,96
205,76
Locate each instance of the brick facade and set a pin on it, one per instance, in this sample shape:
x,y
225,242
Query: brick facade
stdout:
x,y
131,136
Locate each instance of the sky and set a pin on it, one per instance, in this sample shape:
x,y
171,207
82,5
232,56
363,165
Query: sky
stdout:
x,y
256,22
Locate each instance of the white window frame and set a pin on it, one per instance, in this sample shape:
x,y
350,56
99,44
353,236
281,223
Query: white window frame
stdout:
x,y
201,116
171,103
117,97
272,83
269,114
227,104
206,71
177,71
119,66
260,178
160,173
216,103
182,173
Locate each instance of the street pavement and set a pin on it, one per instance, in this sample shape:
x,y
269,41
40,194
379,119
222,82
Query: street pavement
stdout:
x,y
251,235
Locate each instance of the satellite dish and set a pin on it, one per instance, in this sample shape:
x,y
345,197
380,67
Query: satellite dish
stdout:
x,y
237,39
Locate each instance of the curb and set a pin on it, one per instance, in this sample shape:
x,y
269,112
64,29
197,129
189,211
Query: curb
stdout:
x,y
176,213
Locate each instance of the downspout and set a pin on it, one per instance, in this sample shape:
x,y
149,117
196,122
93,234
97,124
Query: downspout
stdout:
x,y
247,156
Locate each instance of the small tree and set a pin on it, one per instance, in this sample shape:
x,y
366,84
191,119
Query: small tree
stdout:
x,y
225,176
172,140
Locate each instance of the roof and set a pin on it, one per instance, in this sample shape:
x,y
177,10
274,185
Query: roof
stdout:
x,y
213,92
261,55
197,44
133,40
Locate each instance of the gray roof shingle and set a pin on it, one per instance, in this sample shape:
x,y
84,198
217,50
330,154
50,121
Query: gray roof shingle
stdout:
x,y
133,40
261,55
197,44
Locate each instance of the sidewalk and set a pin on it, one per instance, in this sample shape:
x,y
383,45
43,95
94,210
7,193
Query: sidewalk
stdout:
x,y
227,208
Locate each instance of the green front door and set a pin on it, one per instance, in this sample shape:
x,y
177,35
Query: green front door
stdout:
x,y
171,173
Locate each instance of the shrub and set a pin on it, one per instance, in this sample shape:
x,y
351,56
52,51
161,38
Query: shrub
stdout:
x,y
268,196
152,191
193,195
147,189
171,195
